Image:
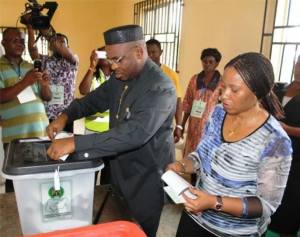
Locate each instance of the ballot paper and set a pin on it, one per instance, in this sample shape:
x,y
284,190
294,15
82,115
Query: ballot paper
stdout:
x,y
176,187
61,135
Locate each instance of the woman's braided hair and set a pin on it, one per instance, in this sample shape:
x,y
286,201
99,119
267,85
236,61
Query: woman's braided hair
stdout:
x,y
257,72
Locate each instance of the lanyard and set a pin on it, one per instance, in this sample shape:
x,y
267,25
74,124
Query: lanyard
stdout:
x,y
18,72
203,89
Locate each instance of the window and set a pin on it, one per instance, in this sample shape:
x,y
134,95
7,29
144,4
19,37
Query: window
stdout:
x,y
281,37
161,20
41,44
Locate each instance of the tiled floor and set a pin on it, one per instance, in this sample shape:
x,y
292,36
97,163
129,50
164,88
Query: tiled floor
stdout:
x,y
169,220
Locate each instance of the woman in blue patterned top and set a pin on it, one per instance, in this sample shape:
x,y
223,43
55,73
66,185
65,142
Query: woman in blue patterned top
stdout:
x,y
244,156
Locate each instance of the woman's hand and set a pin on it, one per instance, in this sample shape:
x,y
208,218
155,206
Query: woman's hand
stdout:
x,y
203,202
184,166
176,167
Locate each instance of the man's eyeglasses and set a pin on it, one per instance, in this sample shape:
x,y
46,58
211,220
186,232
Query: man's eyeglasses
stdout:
x,y
15,41
112,61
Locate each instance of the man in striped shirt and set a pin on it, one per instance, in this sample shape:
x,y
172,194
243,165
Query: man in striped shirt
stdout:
x,y
18,81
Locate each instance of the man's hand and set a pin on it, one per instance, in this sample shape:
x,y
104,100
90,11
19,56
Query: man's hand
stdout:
x,y
56,126
45,79
46,94
178,133
61,147
31,77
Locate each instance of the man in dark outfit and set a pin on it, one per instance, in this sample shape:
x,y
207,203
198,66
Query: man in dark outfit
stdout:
x,y
142,102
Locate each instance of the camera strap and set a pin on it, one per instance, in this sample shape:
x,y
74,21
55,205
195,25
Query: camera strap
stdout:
x,y
51,33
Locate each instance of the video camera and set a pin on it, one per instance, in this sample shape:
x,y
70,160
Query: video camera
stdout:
x,y
36,19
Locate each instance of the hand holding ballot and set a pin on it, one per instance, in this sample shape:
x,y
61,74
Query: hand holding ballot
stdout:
x,y
61,146
181,191
184,166
177,187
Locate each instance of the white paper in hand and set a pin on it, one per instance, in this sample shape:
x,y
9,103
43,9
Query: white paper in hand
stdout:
x,y
26,95
61,135
177,186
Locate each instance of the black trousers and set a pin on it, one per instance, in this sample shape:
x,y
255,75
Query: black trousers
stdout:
x,y
188,227
150,226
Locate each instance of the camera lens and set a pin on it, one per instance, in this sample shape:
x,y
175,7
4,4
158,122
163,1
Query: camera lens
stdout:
x,y
40,22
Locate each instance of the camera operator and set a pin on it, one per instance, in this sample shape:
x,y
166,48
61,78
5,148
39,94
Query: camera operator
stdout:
x,y
62,66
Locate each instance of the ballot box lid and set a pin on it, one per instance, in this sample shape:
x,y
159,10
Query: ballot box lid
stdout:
x,y
28,156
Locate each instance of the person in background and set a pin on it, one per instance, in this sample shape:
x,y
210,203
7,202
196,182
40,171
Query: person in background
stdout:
x,y
98,73
62,66
286,220
201,96
243,157
18,81
154,52
142,101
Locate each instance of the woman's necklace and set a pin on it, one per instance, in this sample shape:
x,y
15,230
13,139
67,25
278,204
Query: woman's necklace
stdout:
x,y
120,101
232,130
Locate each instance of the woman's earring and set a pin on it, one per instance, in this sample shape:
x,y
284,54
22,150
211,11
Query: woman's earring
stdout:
x,y
256,101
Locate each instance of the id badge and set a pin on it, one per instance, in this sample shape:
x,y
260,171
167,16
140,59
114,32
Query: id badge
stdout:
x,y
198,108
57,95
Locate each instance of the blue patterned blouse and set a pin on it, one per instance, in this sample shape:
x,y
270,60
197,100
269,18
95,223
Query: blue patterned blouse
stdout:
x,y
257,165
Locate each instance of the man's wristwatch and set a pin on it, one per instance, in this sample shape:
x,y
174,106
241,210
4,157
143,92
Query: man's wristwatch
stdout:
x,y
219,204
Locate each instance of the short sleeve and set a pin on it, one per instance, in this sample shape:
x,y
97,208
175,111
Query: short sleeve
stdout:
x,y
175,79
190,95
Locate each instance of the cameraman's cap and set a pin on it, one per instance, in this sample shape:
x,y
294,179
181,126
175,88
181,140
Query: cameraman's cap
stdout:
x,y
123,34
